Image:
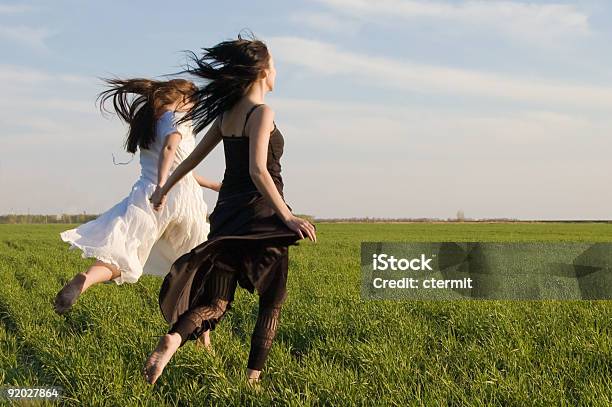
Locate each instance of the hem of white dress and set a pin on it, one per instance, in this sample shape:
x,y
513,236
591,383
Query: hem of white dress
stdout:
x,y
88,252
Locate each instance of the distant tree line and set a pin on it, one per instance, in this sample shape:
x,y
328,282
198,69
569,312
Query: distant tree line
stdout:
x,y
452,220
63,218
383,220
83,217
66,218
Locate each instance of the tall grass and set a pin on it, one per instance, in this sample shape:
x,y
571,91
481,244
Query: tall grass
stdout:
x,y
332,348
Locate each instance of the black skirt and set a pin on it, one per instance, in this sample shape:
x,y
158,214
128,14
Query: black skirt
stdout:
x,y
247,227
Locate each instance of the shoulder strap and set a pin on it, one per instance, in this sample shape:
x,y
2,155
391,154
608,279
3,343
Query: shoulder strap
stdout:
x,y
249,115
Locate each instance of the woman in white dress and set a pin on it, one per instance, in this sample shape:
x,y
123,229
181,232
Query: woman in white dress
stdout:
x,y
131,238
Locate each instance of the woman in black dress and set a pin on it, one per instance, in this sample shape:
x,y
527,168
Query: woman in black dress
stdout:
x,y
251,226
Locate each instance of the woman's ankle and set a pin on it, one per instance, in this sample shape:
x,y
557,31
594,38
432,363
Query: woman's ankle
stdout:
x,y
203,341
253,375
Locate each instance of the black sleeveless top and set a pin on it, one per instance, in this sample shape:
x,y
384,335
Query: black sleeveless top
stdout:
x,y
241,209
236,179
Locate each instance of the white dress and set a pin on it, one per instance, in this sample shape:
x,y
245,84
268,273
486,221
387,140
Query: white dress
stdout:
x,y
134,237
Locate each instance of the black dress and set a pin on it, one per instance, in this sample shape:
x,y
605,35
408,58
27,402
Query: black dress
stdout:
x,y
242,224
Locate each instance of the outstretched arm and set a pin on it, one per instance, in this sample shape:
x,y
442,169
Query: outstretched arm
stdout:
x,y
258,130
206,183
204,147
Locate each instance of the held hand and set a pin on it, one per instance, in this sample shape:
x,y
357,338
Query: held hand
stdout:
x,y
301,227
158,199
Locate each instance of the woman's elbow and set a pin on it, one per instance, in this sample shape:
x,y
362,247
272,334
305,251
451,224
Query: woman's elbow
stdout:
x,y
169,150
256,173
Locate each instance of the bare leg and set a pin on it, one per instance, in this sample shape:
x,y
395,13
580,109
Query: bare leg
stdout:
x,y
97,273
157,361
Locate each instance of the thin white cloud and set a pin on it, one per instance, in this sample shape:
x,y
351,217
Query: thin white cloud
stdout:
x,y
333,123
533,21
375,156
327,59
37,101
15,8
48,104
327,22
21,74
28,36
27,75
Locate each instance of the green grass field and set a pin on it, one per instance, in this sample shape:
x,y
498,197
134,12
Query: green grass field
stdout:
x,y
332,348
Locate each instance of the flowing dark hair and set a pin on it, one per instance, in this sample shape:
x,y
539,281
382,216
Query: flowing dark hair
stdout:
x,y
229,68
139,101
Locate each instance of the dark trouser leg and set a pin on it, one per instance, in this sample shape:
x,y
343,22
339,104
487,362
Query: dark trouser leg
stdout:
x,y
220,288
270,304
263,336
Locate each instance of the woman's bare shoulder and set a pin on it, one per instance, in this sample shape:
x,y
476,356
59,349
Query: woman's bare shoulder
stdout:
x,y
264,114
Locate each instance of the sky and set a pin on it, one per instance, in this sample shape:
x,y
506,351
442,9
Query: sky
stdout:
x,y
389,108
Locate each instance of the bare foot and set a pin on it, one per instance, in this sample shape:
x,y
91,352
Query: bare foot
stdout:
x,y
253,378
69,294
254,383
157,361
203,342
